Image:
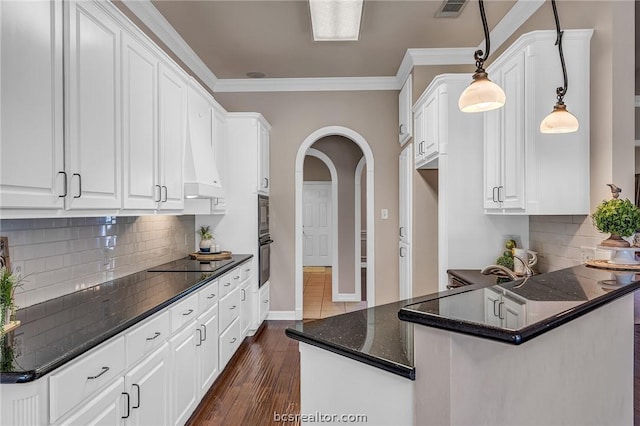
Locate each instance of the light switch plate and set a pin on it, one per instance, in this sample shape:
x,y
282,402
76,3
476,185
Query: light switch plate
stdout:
x,y
384,214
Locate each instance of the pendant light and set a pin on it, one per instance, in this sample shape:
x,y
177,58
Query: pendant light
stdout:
x,y
560,120
482,94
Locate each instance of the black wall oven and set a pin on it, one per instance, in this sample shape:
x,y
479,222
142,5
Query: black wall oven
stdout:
x,y
264,240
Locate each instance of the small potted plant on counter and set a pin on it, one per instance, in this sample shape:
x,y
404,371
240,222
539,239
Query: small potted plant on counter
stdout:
x,y
620,218
206,238
8,284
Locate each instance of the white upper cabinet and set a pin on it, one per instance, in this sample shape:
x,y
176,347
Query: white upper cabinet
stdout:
x,y
172,111
93,139
430,120
154,125
527,172
405,195
505,140
405,120
140,100
31,127
263,152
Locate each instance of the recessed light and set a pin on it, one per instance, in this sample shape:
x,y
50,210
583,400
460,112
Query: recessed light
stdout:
x,y
255,74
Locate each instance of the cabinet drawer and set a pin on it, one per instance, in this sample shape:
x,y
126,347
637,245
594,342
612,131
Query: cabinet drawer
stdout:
x,y
228,283
229,342
245,270
229,308
183,312
208,296
146,337
83,377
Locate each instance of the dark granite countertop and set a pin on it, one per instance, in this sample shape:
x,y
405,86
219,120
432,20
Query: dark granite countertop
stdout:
x,y
548,300
58,330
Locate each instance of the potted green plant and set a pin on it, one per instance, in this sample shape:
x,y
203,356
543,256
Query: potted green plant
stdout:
x,y
620,218
206,238
8,284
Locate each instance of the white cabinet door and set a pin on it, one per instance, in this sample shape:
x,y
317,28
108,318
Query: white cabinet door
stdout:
x,y
263,156
405,207
229,342
108,408
405,120
93,137
31,123
492,301
511,191
419,138
220,144
246,308
184,389
513,313
405,290
492,156
172,132
207,344
431,127
147,388
140,138
264,302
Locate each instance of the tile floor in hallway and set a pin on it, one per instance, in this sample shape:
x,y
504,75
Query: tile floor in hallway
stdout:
x,y
317,295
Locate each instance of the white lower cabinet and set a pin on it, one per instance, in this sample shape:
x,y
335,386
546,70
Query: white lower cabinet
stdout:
x,y
183,374
106,408
263,301
229,341
503,310
146,391
246,304
207,356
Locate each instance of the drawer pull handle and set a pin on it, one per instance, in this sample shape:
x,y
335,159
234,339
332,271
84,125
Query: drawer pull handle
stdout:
x,y
189,312
204,328
65,184
211,296
138,389
233,341
266,301
244,295
128,405
237,277
248,270
104,370
232,307
227,284
199,337
155,336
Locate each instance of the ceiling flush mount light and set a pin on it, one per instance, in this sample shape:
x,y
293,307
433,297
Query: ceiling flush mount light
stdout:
x,y
482,94
335,20
560,120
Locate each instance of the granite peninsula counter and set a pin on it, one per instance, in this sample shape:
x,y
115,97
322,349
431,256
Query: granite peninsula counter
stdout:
x,y
481,354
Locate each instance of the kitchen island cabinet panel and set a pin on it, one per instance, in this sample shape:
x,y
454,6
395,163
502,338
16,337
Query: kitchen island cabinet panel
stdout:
x,y
31,130
105,409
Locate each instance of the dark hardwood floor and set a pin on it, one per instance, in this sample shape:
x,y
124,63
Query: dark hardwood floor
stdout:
x,y
262,378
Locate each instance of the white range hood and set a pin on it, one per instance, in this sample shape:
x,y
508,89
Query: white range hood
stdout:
x,y
201,178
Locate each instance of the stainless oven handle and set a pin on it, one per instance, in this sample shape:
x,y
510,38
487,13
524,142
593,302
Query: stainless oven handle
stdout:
x,y
266,242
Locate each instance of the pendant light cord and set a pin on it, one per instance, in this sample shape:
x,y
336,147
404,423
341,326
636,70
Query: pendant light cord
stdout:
x,y
560,91
479,56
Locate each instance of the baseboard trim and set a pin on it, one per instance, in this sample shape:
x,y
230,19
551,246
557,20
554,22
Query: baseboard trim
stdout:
x,y
281,315
346,297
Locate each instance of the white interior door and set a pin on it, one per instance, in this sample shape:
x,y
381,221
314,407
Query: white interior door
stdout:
x,y
317,224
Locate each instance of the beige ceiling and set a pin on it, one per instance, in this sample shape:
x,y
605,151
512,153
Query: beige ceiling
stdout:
x,y
274,37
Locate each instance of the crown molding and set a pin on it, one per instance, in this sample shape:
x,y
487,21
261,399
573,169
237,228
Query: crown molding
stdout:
x,y
157,23
328,84
433,56
515,17
150,16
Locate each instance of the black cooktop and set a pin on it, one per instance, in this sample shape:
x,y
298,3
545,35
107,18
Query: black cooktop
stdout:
x,y
190,265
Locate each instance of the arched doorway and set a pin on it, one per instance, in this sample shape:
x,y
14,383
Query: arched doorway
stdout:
x,y
299,179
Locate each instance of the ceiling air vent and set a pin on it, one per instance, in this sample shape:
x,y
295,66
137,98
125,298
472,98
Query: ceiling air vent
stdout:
x,y
451,8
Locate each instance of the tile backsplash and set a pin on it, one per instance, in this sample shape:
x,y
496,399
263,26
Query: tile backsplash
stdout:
x,y
58,256
559,240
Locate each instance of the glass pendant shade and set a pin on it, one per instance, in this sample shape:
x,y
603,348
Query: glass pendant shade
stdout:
x,y
481,95
559,121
